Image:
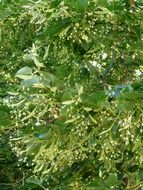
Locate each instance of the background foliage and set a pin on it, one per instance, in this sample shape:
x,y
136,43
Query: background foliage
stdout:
x,y
71,94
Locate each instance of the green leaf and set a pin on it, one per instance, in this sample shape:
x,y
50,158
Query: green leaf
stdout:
x,y
67,96
63,111
33,180
33,56
33,147
71,120
132,95
24,73
46,53
140,174
115,131
28,57
79,5
97,184
33,81
95,99
5,122
68,102
80,90
112,180
58,26
133,168
106,11
92,119
124,105
87,109
37,62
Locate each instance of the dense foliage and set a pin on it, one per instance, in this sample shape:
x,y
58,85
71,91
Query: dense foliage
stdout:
x,y
71,94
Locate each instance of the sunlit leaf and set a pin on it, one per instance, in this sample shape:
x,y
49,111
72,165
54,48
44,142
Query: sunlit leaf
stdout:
x,y
24,73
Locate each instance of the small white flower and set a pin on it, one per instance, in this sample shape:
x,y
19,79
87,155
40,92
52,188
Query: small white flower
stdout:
x,y
94,63
113,93
104,56
6,101
138,73
37,123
